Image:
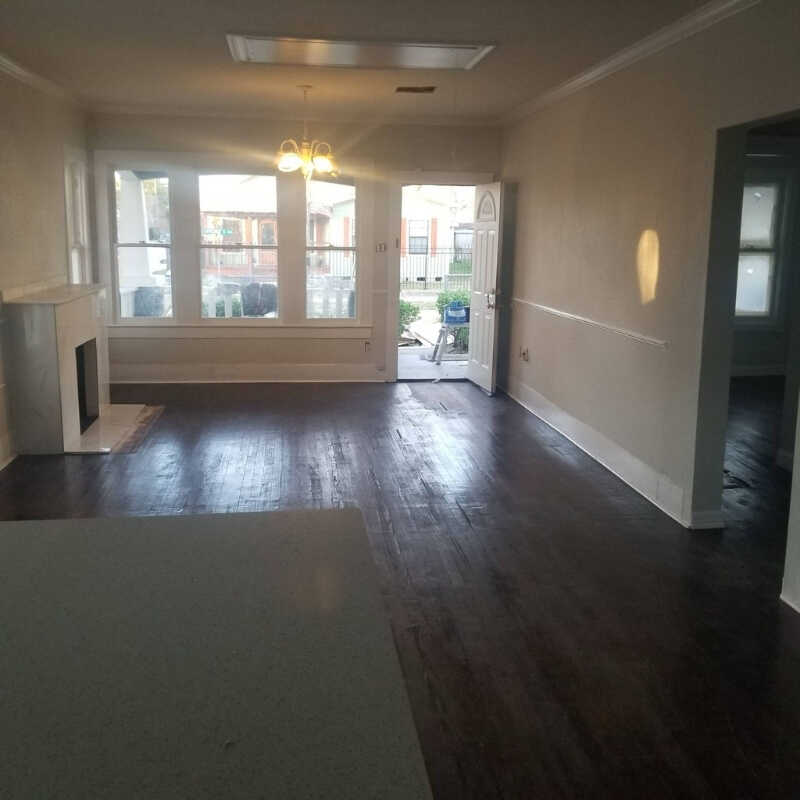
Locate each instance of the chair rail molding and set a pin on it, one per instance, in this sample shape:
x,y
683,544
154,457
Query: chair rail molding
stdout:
x,y
661,344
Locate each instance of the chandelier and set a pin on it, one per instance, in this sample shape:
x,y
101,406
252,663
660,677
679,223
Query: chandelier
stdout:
x,y
308,156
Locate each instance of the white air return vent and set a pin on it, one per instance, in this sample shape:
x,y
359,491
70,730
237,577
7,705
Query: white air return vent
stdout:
x,y
363,55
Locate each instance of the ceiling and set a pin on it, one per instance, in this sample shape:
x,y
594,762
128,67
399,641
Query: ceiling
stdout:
x,y
171,55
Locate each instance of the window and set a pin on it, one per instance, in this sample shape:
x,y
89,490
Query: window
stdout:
x,y
239,246
80,270
330,250
142,243
417,237
758,244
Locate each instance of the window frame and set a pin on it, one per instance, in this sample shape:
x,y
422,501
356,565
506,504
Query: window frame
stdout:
x,y
773,318
354,249
200,246
427,237
76,207
183,168
115,244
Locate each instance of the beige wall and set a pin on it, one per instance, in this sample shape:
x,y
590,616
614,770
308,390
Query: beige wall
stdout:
x,y
374,154
631,153
35,127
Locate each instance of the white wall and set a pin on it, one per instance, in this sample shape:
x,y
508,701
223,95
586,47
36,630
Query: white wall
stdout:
x,y
632,153
35,129
348,351
791,573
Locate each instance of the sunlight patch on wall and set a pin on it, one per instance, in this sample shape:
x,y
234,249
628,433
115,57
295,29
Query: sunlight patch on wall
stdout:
x,y
647,262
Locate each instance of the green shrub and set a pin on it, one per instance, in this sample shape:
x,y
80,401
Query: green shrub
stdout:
x,y
407,313
461,266
219,309
461,339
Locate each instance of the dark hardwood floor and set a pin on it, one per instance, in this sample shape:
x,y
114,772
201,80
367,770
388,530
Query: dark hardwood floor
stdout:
x,y
559,636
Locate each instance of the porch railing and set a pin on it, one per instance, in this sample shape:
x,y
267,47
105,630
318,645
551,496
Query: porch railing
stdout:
x,y
442,269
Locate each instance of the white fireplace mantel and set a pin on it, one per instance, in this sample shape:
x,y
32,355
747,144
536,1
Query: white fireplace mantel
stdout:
x,y
43,330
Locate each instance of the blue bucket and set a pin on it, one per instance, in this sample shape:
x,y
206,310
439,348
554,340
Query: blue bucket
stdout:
x,y
456,313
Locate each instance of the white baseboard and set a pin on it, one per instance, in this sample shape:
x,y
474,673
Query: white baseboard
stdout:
x,y
707,520
784,459
757,370
652,485
794,606
245,373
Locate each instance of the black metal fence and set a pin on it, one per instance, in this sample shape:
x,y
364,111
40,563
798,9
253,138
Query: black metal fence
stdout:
x,y
443,269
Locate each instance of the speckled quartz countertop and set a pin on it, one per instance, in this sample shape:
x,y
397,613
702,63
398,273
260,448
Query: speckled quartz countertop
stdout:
x,y
58,294
218,656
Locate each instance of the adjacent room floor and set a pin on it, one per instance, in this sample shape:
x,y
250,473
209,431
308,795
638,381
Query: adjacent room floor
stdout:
x,y
559,636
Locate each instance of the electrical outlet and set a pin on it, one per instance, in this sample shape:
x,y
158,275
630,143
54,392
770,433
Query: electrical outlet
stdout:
x,y
523,353
380,247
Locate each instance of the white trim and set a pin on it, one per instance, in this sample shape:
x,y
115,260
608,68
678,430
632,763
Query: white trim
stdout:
x,y
254,372
784,458
689,25
7,461
639,337
279,115
790,603
651,484
14,70
240,331
754,370
707,520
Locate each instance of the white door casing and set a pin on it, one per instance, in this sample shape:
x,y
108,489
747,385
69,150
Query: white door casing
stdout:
x,y
486,246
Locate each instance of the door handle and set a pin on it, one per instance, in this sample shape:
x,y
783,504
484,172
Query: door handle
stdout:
x,y
491,298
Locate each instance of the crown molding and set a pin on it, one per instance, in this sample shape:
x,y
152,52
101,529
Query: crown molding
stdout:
x,y
273,115
14,70
683,28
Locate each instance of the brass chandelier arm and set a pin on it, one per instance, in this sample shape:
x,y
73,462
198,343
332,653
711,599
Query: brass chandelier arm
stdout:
x,y
308,156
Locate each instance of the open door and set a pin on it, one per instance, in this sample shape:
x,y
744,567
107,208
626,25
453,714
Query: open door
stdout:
x,y
486,247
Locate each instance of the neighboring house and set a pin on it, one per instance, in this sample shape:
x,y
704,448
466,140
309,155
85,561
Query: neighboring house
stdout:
x,y
436,236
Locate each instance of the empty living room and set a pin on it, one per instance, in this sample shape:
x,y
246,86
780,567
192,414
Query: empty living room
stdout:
x,y
399,402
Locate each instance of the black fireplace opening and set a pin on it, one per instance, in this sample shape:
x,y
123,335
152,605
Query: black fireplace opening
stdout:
x,y
88,392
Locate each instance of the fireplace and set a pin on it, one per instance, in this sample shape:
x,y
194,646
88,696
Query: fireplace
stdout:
x,y
88,389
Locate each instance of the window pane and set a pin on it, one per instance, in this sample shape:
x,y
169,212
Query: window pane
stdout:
x,y
330,214
759,204
238,209
754,285
145,287
142,206
239,282
417,245
331,284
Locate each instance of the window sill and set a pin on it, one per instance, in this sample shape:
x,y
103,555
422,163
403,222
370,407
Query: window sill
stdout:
x,y
227,329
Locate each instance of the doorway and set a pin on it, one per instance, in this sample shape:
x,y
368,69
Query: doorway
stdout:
x,y
436,247
750,373
763,388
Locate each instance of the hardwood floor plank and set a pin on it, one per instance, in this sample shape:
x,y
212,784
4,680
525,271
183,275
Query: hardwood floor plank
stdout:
x,y
559,636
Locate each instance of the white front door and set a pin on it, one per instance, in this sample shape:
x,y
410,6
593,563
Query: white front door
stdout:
x,y
486,245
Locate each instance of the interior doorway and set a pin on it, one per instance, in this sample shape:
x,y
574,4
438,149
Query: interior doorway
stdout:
x,y
750,372
765,363
436,247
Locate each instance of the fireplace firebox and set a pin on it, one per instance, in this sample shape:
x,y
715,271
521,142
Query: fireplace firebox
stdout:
x,y
88,390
